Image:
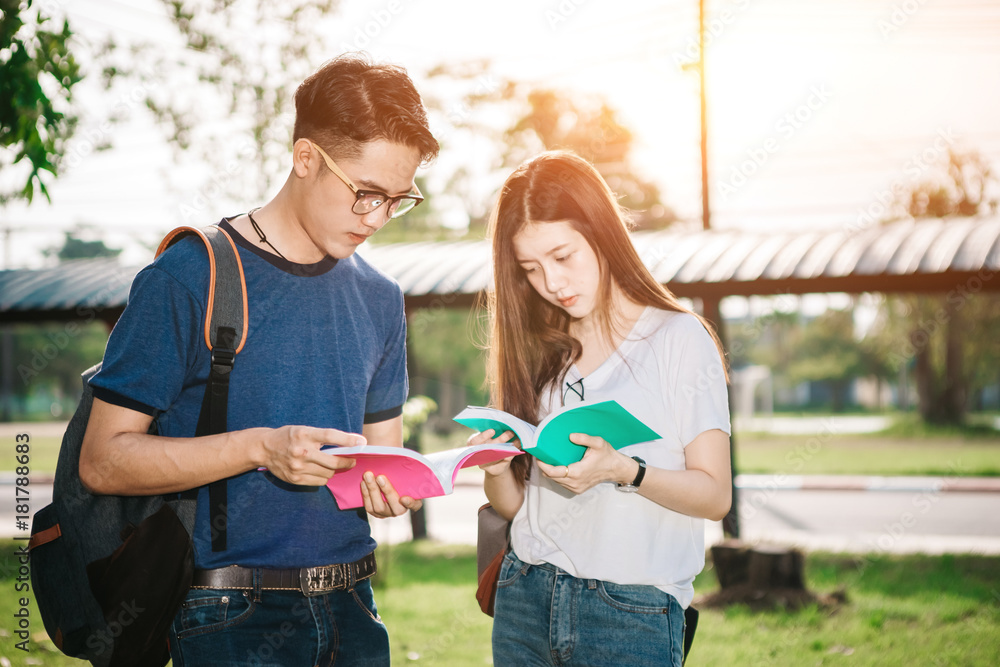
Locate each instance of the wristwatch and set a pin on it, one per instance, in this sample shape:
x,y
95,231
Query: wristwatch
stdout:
x,y
634,486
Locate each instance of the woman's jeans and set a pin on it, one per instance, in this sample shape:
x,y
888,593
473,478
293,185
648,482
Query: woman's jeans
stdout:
x,y
545,616
228,627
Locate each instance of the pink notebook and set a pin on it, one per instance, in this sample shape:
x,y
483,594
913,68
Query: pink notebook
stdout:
x,y
410,473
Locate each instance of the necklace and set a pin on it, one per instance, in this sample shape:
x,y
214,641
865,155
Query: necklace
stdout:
x,y
260,233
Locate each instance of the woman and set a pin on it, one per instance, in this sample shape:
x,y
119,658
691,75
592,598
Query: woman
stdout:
x,y
605,550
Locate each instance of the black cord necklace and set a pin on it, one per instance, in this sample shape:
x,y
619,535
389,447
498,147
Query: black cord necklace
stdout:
x,y
260,233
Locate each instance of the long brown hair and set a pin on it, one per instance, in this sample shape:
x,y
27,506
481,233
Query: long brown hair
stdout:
x,y
531,347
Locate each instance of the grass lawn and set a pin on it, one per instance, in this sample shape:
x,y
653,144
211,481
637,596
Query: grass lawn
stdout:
x,y
901,610
867,455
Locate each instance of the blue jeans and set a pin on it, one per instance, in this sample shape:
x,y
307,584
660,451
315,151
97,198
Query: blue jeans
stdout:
x,y
229,628
545,616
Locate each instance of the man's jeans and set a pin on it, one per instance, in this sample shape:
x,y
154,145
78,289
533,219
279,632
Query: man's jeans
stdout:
x,y
227,627
545,616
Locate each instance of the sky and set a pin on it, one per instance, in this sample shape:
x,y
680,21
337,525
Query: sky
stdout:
x,y
818,111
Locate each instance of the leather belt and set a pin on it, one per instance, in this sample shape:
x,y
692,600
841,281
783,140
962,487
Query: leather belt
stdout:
x,y
309,580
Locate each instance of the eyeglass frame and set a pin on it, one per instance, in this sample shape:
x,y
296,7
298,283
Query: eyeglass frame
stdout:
x,y
415,195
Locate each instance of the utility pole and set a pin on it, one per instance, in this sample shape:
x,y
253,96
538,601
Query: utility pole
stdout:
x,y
706,215
710,305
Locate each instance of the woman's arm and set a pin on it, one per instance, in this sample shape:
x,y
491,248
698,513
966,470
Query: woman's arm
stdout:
x,y
502,490
703,489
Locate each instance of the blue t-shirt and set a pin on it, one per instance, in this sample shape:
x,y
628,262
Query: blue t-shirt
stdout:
x,y
325,347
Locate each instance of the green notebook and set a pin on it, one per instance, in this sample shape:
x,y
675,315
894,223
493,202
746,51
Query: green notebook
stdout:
x,y
549,441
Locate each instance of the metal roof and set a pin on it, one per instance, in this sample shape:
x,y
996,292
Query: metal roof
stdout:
x,y
908,256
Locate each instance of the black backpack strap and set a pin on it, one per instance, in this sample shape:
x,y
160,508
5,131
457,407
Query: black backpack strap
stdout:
x,y
225,333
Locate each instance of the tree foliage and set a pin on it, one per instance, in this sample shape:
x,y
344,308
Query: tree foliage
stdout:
x,y
37,76
499,122
590,127
224,96
828,351
949,341
76,246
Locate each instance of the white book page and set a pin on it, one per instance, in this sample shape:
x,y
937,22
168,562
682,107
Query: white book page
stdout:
x,y
524,431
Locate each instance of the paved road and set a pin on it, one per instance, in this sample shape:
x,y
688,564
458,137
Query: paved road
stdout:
x,y
917,515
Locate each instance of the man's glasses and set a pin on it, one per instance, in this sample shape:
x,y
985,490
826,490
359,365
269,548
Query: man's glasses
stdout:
x,y
368,200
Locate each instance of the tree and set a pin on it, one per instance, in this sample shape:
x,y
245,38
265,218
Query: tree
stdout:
x,y
37,76
590,127
75,246
948,340
828,352
446,363
228,93
499,122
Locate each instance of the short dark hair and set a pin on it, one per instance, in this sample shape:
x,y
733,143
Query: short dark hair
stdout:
x,y
350,101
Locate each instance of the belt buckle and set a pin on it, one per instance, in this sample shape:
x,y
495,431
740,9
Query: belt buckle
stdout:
x,y
319,580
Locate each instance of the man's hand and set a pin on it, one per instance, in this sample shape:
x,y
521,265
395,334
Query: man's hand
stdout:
x,y
292,453
381,499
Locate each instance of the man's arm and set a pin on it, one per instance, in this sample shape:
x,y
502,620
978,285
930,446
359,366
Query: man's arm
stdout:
x,y
118,456
388,433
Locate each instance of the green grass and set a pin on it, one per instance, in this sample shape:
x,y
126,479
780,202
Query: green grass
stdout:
x,y
900,610
826,454
426,594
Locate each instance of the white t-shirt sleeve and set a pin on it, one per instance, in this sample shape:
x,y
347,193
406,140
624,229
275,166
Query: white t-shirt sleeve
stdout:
x,y
695,372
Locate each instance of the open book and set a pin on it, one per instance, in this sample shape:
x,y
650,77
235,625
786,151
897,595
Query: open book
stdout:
x,y
549,441
410,473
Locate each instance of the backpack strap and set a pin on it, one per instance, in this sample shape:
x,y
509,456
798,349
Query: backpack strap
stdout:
x,y
227,287
226,317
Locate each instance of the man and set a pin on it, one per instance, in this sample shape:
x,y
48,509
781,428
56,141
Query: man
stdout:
x,y
324,363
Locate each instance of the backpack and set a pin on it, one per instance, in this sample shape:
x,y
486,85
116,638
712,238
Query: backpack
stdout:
x,y
110,572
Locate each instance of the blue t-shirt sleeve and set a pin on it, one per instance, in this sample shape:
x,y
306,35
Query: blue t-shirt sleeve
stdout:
x,y
389,385
153,345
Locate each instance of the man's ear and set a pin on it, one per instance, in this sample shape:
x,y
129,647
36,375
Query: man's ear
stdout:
x,y
305,158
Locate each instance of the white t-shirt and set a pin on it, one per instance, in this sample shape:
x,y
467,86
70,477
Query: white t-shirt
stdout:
x,y
668,373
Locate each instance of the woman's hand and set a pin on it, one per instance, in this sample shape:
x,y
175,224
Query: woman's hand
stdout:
x,y
496,468
600,463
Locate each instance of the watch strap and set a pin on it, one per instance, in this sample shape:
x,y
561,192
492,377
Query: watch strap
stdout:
x,y
639,475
